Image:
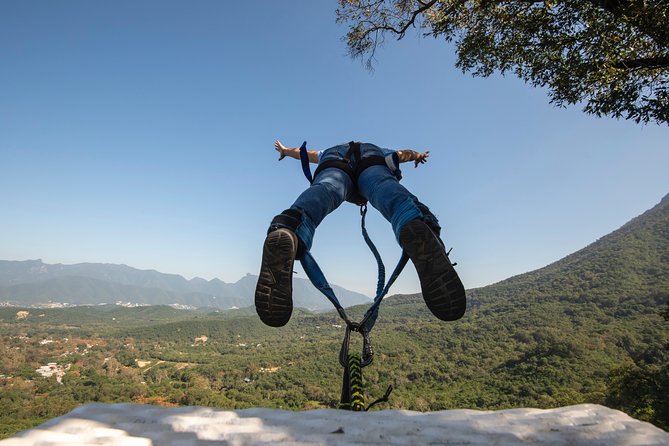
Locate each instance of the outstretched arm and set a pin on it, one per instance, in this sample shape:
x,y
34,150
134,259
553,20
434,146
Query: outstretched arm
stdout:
x,y
410,155
294,152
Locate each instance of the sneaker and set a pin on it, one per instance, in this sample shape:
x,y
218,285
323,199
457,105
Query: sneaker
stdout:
x,y
274,291
442,289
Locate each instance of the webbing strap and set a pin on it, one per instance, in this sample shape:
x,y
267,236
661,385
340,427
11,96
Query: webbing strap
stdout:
x,y
317,278
353,153
370,316
339,164
381,287
304,160
379,263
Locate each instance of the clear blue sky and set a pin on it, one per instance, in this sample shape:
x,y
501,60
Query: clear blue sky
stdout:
x,y
141,132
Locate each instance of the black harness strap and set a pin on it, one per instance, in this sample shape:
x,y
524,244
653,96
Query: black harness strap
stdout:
x,y
369,162
353,153
339,164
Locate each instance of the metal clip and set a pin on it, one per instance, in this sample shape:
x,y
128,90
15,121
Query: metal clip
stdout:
x,y
367,349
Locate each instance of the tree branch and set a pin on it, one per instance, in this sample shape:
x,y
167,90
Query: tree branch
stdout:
x,y
412,20
649,62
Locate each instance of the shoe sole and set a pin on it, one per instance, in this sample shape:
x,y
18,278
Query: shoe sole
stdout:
x,y
442,289
274,291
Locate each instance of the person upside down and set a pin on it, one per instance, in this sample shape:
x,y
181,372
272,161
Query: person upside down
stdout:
x,y
356,172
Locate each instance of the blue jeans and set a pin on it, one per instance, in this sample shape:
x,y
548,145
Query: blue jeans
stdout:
x,y
377,184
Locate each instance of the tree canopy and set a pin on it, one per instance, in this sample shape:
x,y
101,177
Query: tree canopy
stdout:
x,y
612,56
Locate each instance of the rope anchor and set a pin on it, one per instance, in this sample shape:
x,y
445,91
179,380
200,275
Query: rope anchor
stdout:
x,y
352,391
367,350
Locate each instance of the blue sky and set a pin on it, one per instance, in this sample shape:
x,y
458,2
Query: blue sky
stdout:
x,y
141,132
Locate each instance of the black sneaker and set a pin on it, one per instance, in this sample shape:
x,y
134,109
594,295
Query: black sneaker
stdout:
x,y
274,291
442,289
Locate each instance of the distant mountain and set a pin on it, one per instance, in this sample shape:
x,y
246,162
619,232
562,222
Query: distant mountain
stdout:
x,y
33,282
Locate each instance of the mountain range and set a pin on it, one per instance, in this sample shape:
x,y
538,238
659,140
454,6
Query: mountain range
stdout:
x,y
33,282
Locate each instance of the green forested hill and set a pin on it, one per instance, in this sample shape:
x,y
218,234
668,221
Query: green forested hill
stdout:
x,y
628,266
587,328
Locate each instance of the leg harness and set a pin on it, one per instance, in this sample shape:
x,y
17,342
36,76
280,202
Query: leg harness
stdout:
x,y
353,164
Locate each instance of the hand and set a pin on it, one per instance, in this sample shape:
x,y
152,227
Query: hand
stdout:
x,y
421,158
280,148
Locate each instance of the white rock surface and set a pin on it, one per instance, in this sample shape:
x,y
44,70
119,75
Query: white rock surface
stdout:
x,y
140,425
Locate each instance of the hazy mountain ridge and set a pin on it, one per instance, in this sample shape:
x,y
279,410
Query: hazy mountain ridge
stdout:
x,y
32,282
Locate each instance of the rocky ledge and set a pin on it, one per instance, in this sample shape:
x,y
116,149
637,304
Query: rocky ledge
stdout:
x,y
142,425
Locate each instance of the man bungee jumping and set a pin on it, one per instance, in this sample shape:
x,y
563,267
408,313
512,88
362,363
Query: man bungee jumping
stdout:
x,y
356,172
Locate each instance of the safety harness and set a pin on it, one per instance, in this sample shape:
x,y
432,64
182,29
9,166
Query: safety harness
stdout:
x,y
353,165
